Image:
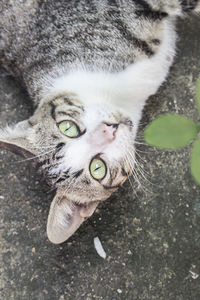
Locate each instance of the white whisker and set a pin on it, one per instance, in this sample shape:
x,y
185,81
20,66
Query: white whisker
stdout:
x,y
36,156
137,170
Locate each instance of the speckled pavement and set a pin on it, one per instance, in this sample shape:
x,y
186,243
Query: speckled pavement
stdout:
x,y
151,233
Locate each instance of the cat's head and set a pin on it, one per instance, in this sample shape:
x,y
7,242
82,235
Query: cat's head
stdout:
x,y
85,151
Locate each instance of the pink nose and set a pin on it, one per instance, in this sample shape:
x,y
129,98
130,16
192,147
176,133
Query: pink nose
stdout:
x,y
109,131
103,134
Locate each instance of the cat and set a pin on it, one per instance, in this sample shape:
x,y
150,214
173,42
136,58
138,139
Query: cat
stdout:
x,y
89,67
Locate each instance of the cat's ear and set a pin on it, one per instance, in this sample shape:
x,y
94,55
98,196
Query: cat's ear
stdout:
x,y
16,139
65,217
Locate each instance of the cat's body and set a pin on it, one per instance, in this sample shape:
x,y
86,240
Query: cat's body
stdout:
x,y
54,37
93,63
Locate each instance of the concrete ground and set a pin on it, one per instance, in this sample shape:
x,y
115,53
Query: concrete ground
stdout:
x,y
151,237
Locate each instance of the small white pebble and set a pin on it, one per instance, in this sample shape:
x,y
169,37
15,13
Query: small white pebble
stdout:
x,y
1,197
165,245
99,248
119,291
194,275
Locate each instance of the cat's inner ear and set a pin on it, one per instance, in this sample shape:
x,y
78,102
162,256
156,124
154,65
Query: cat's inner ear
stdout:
x,y
15,139
65,217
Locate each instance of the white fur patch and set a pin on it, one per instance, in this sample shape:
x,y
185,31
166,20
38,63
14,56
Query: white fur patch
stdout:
x,y
127,89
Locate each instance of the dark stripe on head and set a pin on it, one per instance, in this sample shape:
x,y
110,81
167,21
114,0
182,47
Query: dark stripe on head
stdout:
x,y
70,103
70,113
67,171
59,157
55,137
60,146
65,175
145,10
86,181
62,179
78,173
42,163
53,108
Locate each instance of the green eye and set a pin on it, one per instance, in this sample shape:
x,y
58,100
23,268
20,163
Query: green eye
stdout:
x,y
69,129
97,169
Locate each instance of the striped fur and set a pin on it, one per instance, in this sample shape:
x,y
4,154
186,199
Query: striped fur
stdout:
x,y
108,35
94,63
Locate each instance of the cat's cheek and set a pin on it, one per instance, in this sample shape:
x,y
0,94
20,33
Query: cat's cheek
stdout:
x,y
121,146
79,153
94,191
76,155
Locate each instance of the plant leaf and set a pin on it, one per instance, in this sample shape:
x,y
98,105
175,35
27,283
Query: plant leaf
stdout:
x,y
198,95
195,161
171,131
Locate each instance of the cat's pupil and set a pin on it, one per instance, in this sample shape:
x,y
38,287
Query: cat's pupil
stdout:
x,y
97,169
68,127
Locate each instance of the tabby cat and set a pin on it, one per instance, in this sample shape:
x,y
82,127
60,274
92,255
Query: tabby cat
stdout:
x,y
88,66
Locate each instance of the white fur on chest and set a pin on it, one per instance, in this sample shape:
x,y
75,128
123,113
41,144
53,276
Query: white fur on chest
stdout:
x,y
128,89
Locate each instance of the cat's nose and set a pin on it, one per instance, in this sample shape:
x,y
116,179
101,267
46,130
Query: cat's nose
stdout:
x,y
103,135
109,131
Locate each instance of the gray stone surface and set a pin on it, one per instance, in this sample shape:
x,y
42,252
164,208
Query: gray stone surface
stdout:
x,y
151,237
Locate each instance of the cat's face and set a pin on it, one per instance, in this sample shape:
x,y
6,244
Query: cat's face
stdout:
x,y
86,151
83,136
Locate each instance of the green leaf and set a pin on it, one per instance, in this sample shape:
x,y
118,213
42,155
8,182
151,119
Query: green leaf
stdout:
x,y
198,94
171,131
195,161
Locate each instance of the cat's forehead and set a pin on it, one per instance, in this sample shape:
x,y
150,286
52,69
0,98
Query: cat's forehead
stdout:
x,y
65,100
100,112
90,112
